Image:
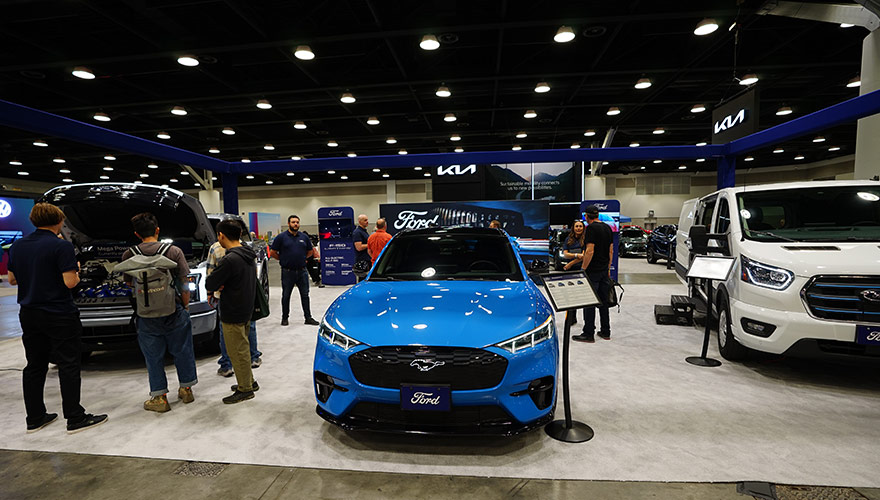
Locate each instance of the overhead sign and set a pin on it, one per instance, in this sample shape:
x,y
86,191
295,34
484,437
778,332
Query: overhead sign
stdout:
x,y
736,118
456,170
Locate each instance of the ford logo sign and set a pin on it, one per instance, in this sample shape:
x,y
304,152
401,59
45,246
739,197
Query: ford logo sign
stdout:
x,y
104,189
426,364
5,209
334,213
870,295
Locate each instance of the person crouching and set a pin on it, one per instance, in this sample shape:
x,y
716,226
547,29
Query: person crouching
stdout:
x,y
236,275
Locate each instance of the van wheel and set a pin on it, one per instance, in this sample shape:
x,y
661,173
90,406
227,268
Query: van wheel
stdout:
x,y
652,257
729,348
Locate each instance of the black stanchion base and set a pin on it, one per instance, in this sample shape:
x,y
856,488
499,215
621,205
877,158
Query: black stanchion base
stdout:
x,y
701,361
577,433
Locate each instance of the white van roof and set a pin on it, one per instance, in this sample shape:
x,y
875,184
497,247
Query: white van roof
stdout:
x,y
796,185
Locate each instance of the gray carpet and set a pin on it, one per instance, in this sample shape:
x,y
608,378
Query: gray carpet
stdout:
x,y
656,418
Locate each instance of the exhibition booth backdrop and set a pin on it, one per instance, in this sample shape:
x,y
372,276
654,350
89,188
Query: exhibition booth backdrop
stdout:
x,y
14,223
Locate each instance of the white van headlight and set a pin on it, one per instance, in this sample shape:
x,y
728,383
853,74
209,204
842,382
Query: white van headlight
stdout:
x,y
529,339
765,275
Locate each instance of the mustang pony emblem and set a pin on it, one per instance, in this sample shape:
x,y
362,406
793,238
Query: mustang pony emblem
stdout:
x,y
426,364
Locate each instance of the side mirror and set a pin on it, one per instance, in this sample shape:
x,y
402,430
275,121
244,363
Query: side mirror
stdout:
x,y
699,238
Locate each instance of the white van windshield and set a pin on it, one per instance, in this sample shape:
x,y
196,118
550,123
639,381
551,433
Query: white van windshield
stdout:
x,y
839,213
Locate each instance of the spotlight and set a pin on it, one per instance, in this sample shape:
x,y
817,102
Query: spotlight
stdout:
x,y
299,125
643,83
163,135
819,138
228,131
855,82
784,110
269,147
705,27
429,42
564,34
372,120
659,131
450,117
264,104
347,98
402,152
178,110
455,137
698,108
304,53
109,157
589,133
188,61
101,117
83,72
391,140
575,145
331,143
41,143
516,147
749,79
443,91
530,113
542,87
613,111
521,135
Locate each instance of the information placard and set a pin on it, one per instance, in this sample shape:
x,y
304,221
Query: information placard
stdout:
x,y
712,267
570,290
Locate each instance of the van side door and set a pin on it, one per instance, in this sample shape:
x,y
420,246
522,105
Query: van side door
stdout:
x,y
721,225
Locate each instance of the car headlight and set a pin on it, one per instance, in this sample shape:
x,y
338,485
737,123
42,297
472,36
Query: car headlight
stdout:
x,y
194,284
765,275
336,337
530,338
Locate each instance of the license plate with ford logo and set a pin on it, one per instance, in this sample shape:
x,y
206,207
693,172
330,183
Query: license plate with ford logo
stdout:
x,y
425,398
867,335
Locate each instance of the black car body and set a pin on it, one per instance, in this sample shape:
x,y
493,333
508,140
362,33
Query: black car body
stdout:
x,y
633,242
661,243
260,247
557,241
98,223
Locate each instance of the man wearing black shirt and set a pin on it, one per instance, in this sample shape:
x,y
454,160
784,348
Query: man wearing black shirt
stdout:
x,y
292,248
360,235
45,269
598,256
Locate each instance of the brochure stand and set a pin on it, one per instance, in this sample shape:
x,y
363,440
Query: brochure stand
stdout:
x,y
568,292
708,268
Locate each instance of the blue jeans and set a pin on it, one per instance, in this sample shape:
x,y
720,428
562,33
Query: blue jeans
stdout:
x,y
224,362
174,333
602,284
300,279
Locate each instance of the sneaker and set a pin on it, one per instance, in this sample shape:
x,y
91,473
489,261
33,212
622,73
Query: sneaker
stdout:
x,y
255,363
225,372
256,387
284,322
583,338
238,397
312,321
185,394
46,420
606,336
87,422
157,404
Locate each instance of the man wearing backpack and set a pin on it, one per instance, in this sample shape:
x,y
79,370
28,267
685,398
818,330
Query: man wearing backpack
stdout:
x,y
236,275
162,319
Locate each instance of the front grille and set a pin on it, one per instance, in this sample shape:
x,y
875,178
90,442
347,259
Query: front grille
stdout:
x,y
462,368
458,416
844,298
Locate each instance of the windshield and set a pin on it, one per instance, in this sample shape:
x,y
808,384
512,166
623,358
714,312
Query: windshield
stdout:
x,y
245,234
459,256
840,213
631,233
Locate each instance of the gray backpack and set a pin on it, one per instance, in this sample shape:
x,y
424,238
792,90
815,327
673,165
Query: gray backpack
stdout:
x,y
154,291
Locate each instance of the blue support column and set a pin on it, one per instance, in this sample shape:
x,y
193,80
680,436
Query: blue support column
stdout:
x,y
726,172
230,193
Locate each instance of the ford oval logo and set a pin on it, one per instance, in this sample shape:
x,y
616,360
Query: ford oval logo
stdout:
x,y
104,189
870,295
426,364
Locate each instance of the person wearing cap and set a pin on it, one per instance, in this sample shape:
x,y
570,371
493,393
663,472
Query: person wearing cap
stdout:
x,y
597,257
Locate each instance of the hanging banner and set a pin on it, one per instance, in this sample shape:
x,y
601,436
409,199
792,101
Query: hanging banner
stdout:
x,y
609,213
335,225
525,221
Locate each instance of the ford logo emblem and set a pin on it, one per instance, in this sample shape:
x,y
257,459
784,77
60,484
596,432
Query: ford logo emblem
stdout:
x,y
870,295
426,364
104,189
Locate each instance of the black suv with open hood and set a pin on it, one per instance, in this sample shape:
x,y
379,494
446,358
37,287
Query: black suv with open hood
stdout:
x,y
98,223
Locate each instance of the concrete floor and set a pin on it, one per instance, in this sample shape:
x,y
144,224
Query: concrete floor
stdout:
x,y
354,472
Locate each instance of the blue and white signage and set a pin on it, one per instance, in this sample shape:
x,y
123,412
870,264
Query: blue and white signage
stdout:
x,y
335,225
5,209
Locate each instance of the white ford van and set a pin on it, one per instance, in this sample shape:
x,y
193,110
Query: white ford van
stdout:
x,y
806,281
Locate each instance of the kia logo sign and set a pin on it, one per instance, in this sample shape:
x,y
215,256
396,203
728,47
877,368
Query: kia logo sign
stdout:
x,y
456,170
730,121
5,209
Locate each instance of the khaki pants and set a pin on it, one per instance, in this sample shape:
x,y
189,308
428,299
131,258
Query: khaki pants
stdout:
x,y
236,337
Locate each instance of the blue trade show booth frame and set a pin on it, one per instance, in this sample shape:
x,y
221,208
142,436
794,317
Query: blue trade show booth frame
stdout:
x,y
42,123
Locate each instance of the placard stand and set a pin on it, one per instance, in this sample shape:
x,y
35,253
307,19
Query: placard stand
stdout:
x,y
708,268
568,292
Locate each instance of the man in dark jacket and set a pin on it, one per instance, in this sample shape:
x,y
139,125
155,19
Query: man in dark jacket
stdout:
x,y
236,275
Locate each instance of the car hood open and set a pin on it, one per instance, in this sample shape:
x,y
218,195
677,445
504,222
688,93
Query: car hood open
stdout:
x,y
441,313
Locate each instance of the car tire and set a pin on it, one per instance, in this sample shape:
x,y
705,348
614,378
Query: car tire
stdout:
x,y
728,346
652,258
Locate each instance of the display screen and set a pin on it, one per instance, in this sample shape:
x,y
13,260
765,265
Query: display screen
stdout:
x,y
335,228
610,218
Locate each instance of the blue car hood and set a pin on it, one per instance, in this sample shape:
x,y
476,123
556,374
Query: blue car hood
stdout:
x,y
443,313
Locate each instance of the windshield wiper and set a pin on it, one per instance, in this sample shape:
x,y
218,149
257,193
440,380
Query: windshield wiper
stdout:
x,y
382,278
768,233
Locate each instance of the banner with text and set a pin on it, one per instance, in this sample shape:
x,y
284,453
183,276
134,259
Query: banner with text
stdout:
x,y
335,225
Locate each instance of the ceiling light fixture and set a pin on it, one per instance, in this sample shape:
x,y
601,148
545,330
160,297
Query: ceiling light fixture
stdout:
x,y
101,116
214,150
450,117
385,176
749,158
296,157
429,42
347,98
304,53
163,135
269,182
799,157
15,163
521,135
455,137
264,104
589,133
819,138
705,27
575,145
173,180
290,174
269,147
659,131
459,149
109,157
58,159
564,34
682,167
427,174
390,140
542,87
700,144
516,147
658,161
178,110
64,171
372,120
778,150
343,177
228,131
331,143
417,168
634,144
443,91
377,170
700,160
245,160
613,111
351,154
643,83
834,148
188,60
530,113
307,179
698,108
331,172
249,177
854,82
23,173
299,125
749,79
402,152
71,180
41,143
144,176
83,72
846,25
107,168
104,177
153,166
784,110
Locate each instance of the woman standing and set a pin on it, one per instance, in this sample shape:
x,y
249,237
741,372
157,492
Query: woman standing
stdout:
x,y
573,249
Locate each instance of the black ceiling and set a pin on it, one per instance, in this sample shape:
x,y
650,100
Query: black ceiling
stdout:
x,y
492,55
